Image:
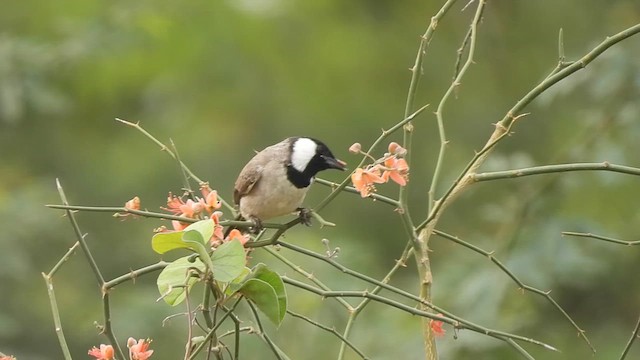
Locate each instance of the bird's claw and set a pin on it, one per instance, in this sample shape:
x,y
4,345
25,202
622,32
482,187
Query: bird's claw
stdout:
x,y
257,225
305,216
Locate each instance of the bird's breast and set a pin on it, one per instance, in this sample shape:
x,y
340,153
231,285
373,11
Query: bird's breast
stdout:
x,y
272,196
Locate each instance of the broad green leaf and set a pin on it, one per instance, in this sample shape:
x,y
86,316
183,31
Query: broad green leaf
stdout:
x,y
199,231
262,295
174,278
265,298
228,261
166,241
194,234
236,283
273,278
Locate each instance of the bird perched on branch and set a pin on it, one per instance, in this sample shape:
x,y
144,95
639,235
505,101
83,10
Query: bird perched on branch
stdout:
x,y
275,181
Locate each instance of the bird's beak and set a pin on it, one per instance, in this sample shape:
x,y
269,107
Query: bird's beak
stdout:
x,y
333,163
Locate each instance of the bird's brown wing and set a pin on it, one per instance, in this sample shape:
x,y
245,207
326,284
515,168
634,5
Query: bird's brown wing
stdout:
x,y
248,178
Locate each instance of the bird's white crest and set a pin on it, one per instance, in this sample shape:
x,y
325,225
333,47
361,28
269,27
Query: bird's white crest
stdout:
x,y
304,149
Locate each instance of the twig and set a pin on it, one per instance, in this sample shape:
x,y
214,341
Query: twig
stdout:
x,y
600,237
384,135
132,275
274,348
521,285
503,127
454,84
634,336
411,310
48,278
163,147
351,189
307,275
212,332
361,306
187,347
550,169
106,329
332,331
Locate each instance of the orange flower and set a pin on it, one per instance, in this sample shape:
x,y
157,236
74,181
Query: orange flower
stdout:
x,y
397,170
104,353
436,327
396,149
7,358
178,226
138,350
218,234
364,180
133,204
236,234
211,201
173,204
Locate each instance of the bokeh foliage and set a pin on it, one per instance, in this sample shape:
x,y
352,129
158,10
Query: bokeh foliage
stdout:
x,y
223,78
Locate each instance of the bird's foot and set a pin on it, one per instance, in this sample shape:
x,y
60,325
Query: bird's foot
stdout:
x,y
305,215
257,225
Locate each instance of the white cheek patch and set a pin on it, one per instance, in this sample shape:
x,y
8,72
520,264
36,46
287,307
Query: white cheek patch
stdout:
x,y
303,151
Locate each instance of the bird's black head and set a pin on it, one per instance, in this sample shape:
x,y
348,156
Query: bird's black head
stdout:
x,y
308,157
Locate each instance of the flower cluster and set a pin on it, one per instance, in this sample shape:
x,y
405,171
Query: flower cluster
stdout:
x,y
5,357
391,166
193,209
138,350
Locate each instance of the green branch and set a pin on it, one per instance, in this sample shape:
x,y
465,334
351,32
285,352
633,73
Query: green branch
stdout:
x,y
163,147
634,336
330,330
550,169
412,310
600,237
521,285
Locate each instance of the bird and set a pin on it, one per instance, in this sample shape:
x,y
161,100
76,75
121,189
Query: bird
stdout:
x,y
275,181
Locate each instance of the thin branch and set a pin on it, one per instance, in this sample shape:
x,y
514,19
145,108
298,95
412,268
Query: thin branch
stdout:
x,y
411,310
408,251
149,214
307,275
603,238
351,189
454,85
521,285
503,127
163,147
107,328
384,135
134,274
550,169
212,332
344,269
80,237
331,330
274,348
56,316
634,336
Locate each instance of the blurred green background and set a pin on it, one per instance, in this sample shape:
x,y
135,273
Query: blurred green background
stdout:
x,y
222,78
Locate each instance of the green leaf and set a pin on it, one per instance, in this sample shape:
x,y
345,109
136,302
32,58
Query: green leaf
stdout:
x,y
166,241
263,273
270,299
228,261
174,279
191,237
237,283
265,298
200,231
